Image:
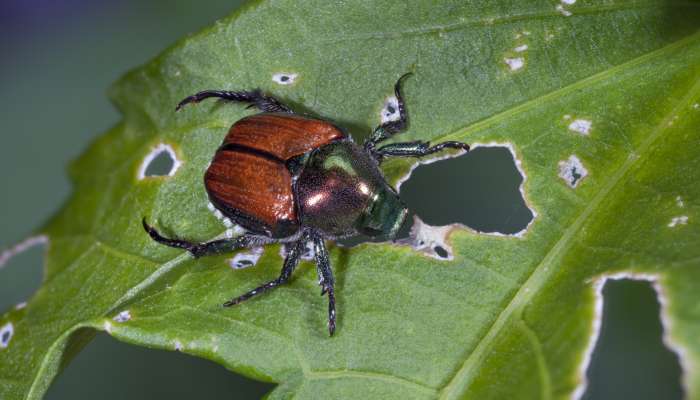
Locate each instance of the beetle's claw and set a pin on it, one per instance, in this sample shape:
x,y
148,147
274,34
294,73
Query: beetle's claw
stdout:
x,y
150,230
404,76
235,301
187,100
230,303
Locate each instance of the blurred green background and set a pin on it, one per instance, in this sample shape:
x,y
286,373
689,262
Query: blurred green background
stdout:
x,y
58,59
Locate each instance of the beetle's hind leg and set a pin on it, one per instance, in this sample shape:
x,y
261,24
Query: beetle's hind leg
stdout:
x,y
390,128
294,252
202,249
255,98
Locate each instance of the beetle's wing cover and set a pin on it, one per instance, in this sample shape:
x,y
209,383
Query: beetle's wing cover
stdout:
x,y
254,191
282,135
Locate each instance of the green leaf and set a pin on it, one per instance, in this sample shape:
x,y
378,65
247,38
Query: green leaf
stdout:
x,y
509,317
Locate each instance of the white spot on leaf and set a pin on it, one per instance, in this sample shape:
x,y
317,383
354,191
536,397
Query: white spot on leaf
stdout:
x,y
232,230
161,149
309,254
107,326
521,48
390,111
569,2
572,171
682,220
581,126
6,333
284,78
246,259
122,316
514,63
21,247
430,240
21,305
563,11
679,202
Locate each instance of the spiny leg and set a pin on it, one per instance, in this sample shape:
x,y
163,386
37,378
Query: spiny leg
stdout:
x,y
389,128
256,98
295,251
325,279
416,149
201,249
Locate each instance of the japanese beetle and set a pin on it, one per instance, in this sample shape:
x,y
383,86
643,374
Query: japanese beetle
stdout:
x,y
293,179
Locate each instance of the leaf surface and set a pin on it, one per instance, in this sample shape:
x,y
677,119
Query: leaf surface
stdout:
x,y
509,317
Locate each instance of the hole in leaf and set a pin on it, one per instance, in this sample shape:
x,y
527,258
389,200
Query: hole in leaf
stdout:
x,y
245,259
6,334
21,271
284,78
308,254
630,360
572,171
480,190
390,110
107,368
441,252
162,161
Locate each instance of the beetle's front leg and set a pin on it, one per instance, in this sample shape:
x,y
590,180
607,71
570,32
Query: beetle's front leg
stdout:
x,y
255,98
387,129
416,149
202,249
325,279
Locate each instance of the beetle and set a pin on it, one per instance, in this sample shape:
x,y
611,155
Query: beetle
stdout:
x,y
295,179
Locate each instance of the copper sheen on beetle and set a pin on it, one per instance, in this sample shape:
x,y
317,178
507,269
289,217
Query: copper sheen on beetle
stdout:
x,y
293,179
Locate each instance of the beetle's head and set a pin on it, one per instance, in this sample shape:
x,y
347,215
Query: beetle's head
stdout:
x,y
384,215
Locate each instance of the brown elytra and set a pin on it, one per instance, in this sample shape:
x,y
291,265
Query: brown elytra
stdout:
x,y
248,179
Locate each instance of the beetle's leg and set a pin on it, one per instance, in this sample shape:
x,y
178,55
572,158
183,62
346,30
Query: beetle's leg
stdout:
x,y
202,249
415,149
295,250
389,128
325,279
255,98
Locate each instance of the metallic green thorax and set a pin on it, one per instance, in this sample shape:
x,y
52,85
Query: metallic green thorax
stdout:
x,y
342,191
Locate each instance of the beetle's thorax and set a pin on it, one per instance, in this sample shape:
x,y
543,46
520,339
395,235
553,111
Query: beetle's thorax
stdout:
x,y
341,191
